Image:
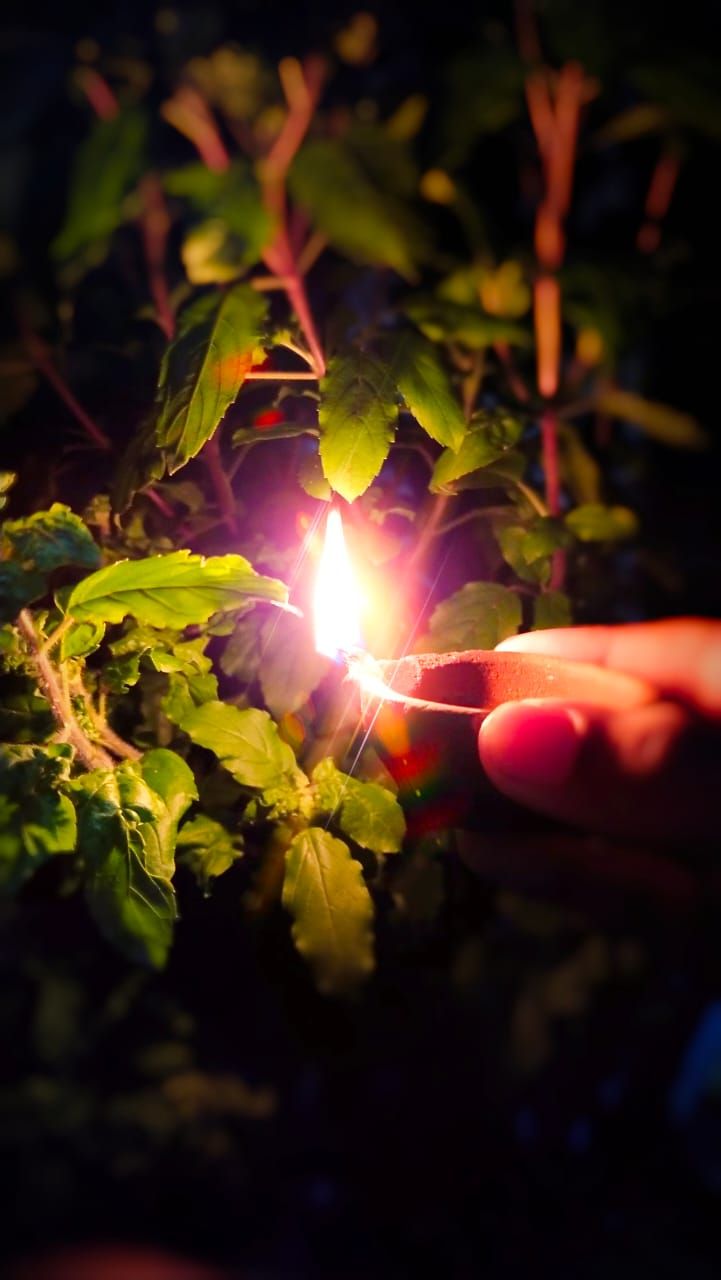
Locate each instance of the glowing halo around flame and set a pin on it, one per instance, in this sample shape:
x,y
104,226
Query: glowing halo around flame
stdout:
x,y
336,600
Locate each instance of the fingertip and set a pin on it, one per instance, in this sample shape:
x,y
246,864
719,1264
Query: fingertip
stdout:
x,y
528,747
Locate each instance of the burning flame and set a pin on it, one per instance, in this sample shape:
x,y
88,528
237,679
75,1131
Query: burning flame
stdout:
x,y
336,603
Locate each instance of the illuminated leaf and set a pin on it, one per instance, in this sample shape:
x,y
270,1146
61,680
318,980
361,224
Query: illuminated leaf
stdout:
x,y
357,416
247,742
175,590
48,539
36,820
478,616
324,892
207,848
426,388
490,435
219,339
442,320
551,609
365,811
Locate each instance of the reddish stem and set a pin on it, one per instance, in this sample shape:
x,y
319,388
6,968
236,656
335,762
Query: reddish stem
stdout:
x,y
223,489
154,226
39,354
98,93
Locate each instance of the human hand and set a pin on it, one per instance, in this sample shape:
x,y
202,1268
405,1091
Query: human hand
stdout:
x,y
651,772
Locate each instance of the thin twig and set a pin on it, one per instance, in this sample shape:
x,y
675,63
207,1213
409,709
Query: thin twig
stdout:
x,y
155,225
39,354
90,754
221,484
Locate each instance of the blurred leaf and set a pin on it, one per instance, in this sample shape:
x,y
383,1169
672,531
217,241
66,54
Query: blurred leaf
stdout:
x,y
175,590
370,225
478,616
427,390
290,668
47,540
357,417
107,164
634,122
82,638
36,820
246,742
233,214
442,320
484,94
140,464
689,90
581,473
219,339
658,421
596,523
324,892
208,848
551,609
528,548
490,435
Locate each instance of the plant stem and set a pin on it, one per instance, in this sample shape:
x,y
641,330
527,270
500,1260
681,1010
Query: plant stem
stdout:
x,y
39,354
91,755
155,225
223,489
278,375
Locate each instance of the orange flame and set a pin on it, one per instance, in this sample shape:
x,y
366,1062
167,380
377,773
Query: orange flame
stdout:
x,y
336,602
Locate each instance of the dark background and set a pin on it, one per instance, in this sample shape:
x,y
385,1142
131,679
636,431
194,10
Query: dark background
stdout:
x,y
526,1086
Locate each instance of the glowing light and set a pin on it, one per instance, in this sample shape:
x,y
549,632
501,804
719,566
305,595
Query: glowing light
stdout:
x,y
336,603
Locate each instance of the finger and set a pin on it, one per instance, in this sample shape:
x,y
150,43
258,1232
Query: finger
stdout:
x,y
680,656
651,772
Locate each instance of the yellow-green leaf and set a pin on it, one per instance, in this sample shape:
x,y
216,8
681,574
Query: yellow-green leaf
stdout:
x,y
658,421
357,417
219,339
426,388
491,434
325,893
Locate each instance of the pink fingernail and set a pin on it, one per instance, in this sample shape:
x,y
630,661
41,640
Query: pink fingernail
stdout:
x,y
532,744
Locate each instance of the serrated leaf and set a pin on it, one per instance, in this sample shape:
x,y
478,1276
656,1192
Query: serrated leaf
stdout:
x,y
82,638
36,820
49,539
442,320
219,339
365,811
426,388
357,417
596,523
490,435
140,464
106,166
332,911
478,616
528,548
551,609
247,742
208,848
659,421
369,225
174,590
126,834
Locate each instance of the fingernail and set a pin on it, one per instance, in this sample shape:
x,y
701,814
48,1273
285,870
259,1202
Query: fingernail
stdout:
x,y
532,744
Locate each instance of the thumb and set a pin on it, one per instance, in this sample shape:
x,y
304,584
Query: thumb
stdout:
x,y
650,772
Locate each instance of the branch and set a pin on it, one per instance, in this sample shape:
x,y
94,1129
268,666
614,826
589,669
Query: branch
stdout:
x,y
91,755
221,484
154,226
39,355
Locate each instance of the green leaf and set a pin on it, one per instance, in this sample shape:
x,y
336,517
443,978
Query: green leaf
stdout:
x,y
324,892
596,523
175,590
426,388
247,742
82,638
106,166
290,668
18,587
581,472
126,834
49,539
490,435
658,421
528,548
357,416
36,820
442,320
478,616
365,811
484,94
7,480
219,339
369,225
236,226
551,609
208,848
311,478
141,464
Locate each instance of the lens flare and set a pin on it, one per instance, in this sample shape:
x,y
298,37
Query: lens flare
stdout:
x,y
336,602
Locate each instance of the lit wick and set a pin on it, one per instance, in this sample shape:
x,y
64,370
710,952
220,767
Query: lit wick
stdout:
x,y
486,678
